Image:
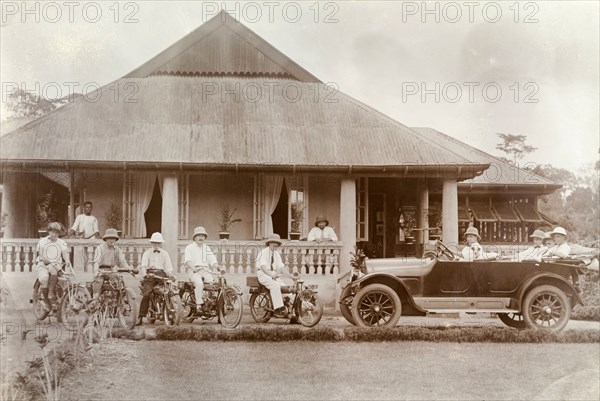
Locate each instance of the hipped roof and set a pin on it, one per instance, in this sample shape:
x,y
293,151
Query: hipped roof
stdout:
x,y
499,174
269,112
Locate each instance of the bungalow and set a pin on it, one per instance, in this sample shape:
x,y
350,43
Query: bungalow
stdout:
x,y
223,119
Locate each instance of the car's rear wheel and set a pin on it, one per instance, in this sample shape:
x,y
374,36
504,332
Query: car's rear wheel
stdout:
x,y
513,320
546,308
376,305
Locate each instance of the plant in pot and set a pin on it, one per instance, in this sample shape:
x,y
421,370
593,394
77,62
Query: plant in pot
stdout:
x,y
114,217
296,221
226,220
46,212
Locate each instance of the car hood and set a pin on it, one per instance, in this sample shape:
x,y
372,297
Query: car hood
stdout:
x,y
402,267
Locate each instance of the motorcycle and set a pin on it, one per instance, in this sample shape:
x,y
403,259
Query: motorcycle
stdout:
x,y
70,298
116,300
306,306
165,302
220,299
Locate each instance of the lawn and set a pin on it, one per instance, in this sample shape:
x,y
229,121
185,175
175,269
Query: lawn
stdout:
x,y
124,369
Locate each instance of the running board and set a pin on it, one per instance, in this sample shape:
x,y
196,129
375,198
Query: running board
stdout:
x,y
471,304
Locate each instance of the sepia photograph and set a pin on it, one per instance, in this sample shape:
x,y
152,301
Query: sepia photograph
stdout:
x,y
299,200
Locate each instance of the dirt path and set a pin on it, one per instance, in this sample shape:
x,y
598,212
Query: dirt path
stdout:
x,y
291,371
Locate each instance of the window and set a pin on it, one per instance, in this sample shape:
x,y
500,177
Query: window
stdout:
x,y
362,209
184,205
297,187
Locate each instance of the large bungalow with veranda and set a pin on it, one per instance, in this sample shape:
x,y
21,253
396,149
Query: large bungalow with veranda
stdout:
x,y
223,119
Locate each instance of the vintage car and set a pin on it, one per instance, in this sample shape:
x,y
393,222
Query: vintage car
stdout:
x,y
539,295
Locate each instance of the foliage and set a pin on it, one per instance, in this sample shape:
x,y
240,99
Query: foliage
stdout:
x,y
26,104
590,295
248,333
114,216
226,219
297,210
576,207
514,145
47,210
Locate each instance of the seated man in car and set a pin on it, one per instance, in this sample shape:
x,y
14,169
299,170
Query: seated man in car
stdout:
x,y
560,249
536,251
107,258
155,261
474,251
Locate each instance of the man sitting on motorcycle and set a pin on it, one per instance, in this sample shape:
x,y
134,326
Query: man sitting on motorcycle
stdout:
x,y
52,252
155,261
107,258
199,260
269,270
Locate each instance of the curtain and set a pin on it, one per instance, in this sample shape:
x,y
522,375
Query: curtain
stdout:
x,y
273,186
143,186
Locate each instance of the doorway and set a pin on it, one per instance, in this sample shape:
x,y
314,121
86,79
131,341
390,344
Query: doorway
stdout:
x,y
280,214
377,226
153,215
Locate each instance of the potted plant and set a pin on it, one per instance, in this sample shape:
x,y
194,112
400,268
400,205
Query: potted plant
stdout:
x,y
226,220
114,217
296,221
46,212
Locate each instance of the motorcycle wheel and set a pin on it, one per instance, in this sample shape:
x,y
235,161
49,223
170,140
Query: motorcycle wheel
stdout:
x,y
151,312
128,298
172,310
260,303
39,309
72,307
188,306
230,308
308,309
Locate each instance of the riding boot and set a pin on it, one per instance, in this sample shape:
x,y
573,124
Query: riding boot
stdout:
x,y
145,302
52,281
44,291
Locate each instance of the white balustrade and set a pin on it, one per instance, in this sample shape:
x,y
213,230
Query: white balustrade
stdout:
x,y
236,257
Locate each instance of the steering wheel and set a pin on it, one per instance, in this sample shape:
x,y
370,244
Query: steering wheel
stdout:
x,y
446,252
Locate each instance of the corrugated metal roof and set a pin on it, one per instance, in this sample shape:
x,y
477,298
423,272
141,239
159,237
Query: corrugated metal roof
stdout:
x,y
499,172
174,119
222,45
12,124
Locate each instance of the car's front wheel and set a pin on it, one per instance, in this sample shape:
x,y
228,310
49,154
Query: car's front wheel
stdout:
x,y
546,308
376,305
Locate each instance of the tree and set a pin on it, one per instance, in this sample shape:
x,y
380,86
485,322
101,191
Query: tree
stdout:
x,y
25,104
514,145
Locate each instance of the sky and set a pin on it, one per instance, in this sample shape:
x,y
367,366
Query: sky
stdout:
x,y
468,69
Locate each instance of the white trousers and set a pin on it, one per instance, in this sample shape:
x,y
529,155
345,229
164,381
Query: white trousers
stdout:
x,y
196,278
274,287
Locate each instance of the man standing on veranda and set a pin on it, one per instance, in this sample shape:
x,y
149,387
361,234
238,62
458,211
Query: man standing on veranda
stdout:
x,y
86,225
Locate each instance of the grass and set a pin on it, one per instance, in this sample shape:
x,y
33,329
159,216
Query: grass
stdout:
x,y
331,371
590,294
275,334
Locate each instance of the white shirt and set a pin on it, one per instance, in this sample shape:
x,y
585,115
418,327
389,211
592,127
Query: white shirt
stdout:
x,y
88,225
476,252
51,251
561,251
263,258
201,255
156,259
532,253
326,233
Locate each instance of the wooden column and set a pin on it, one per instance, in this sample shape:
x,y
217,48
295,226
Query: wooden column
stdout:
x,y
170,216
347,222
450,213
422,211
